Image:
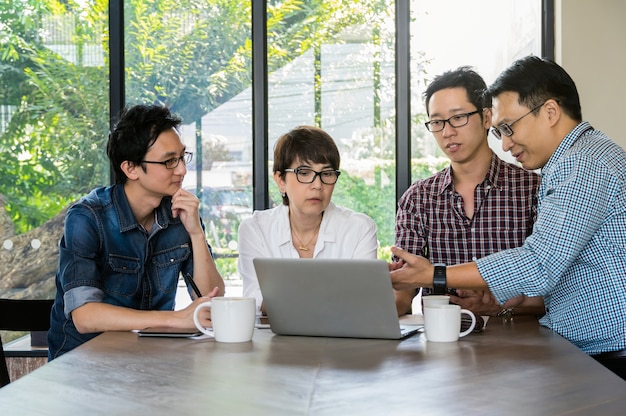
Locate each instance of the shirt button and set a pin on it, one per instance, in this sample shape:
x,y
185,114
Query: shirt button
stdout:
x,y
474,258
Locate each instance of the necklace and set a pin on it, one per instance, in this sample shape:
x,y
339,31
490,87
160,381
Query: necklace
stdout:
x,y
305,247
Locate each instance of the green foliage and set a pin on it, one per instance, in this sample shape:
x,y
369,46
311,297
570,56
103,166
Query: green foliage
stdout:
x,y
227,267
375,196
191,55
51,151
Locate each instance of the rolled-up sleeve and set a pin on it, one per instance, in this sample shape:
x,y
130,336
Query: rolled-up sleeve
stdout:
x,y
78,265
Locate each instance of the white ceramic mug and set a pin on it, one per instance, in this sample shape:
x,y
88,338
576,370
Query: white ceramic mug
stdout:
x,y
233,318
442,323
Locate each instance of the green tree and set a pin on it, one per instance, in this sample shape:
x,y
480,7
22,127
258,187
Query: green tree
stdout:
x,y
376,198
191,55
51,150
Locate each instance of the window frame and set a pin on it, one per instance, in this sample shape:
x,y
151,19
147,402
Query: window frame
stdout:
x,y
260,136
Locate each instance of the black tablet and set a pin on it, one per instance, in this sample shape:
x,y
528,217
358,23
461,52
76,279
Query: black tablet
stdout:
x,y
169,332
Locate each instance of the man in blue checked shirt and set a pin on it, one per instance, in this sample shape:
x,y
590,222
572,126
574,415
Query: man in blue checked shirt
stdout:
x,y
576,255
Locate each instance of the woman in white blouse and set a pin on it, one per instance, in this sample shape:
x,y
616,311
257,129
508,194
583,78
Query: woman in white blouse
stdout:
x,y
308,224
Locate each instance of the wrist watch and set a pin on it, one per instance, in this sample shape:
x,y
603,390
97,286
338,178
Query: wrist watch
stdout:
x,y
439,279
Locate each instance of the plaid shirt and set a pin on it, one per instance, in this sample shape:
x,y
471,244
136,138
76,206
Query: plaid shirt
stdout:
x,y
431,220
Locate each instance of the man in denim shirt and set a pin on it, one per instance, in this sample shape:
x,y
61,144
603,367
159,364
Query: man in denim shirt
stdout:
x,y
576,255
124,246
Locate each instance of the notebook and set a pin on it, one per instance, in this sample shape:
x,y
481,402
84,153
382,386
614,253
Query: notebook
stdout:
x,y
330,297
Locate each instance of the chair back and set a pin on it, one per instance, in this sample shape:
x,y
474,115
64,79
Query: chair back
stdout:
x,y
22,315
25,314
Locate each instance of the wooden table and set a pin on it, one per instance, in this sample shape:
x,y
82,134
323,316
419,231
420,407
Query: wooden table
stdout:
x,y
513,369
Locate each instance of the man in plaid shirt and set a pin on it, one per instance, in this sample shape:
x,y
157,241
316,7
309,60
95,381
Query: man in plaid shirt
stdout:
x,y
576,255
478,205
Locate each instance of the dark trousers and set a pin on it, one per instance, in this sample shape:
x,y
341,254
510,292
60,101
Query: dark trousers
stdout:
x,y
614,361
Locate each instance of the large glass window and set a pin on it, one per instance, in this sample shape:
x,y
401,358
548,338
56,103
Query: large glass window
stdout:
x,y
338,74
53,126
329,63
54,123
194,57
446,34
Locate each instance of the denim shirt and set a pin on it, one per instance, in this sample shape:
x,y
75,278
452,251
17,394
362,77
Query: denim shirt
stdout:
x,y
106,256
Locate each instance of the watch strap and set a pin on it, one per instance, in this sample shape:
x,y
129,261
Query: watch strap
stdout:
x,y
439,280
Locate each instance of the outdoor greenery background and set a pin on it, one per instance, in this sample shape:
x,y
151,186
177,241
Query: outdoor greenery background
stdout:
x,y
190,55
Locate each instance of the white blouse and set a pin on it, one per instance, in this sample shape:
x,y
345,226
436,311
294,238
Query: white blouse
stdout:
x,y
343,234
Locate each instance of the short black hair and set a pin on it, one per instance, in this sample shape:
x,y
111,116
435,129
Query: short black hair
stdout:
x,y
462,77
536,80
136,130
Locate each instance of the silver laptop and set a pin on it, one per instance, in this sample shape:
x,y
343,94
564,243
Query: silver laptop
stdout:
x,y
330,298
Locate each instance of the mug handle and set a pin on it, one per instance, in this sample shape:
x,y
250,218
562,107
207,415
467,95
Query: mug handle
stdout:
x,y
471,328
195,318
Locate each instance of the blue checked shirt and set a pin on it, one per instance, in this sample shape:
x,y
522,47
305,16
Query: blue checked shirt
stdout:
x,y
576,256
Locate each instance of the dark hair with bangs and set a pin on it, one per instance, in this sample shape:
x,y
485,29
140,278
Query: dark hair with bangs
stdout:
x,y
306,144
137,129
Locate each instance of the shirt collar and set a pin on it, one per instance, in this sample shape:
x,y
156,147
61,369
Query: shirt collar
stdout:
x,y
446,180
567,142
327,231
126,217
284,232
492,177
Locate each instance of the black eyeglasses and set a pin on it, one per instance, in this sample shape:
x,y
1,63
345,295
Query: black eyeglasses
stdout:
x,y
457,120
506,129
173,163
306,175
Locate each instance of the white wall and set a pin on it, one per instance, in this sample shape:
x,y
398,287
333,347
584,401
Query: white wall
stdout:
x,y
589,37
